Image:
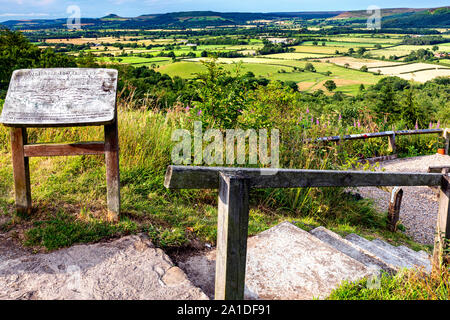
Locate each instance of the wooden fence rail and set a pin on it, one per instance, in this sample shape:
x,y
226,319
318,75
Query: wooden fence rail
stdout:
x,y
234,185
391,135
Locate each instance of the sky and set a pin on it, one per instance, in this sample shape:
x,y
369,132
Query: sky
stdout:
x,y
51,9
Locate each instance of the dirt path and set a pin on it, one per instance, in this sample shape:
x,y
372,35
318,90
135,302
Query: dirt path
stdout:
x,y
130,268
419,206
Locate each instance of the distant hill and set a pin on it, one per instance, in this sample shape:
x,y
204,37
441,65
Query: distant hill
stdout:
x,y
384,13
392,18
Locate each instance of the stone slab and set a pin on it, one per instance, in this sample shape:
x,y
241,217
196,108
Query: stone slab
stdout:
x,y
352,250
60,97
387,256
283,262
403,254
130,268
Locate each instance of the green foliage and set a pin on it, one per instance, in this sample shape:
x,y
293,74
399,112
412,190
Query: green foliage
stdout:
x,y
330,85
16,52
63,231
222,97
406,285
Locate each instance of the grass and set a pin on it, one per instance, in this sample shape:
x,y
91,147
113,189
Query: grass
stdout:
x,y
406,285
279,69
69,193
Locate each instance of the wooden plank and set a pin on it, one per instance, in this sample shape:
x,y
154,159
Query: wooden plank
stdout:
x,y
394,208
21,171
437,169
112,170
74,149
60,97
232,230
446,136
443,225
392,146
186,177
360,136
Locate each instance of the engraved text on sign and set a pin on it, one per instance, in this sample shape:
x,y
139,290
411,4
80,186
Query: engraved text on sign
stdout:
x,y
60,97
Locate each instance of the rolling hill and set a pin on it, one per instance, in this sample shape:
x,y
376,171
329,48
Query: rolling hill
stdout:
x,y
392,18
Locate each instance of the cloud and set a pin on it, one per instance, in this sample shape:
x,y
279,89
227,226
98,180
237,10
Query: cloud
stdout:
x,y
29,2
33,14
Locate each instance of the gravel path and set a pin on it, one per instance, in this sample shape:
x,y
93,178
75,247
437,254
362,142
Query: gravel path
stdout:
x,y
419,205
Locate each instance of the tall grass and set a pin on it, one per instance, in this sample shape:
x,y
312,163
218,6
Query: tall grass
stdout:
x,y
406,285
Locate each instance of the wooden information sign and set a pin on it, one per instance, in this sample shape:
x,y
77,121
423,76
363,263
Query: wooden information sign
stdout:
x,y
62,98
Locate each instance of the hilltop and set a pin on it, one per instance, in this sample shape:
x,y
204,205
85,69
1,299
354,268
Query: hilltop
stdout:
x,y
392,18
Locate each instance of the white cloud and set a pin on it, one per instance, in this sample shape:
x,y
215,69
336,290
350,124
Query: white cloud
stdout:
x,y
33,14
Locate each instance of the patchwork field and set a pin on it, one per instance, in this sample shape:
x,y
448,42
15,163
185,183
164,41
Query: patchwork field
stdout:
x,y
406,68
295,55
403,50
426,75
356,63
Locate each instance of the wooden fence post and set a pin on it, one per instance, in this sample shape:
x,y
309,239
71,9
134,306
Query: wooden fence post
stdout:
x,y
447,140
392,146
394,208
112,170
443,223
21,170
232,234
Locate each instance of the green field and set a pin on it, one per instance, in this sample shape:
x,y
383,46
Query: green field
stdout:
x,y
347,80
398,51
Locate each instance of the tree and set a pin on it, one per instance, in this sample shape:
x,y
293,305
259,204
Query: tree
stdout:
x,y
435,48
330,85
351,51
364,69
310,67
361,50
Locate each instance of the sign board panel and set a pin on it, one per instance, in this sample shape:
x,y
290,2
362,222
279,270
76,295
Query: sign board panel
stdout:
x,y
60,98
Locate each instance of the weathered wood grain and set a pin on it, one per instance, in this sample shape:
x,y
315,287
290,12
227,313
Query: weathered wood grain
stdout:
x,y
443,225
186,177
392,147
74,149
21,171
60,97
232,231
379,134
112,170
437,169
394,208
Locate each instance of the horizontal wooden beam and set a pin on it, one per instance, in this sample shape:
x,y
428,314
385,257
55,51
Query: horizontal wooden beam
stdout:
x,y
186,177
74,149
360,136
437,169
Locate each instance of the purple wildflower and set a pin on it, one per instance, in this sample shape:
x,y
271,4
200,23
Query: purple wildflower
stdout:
x,y
438,124
417,126
340,117
430,125
307,110
199,112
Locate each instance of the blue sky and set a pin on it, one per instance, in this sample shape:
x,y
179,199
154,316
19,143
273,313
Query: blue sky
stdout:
x,y
50,9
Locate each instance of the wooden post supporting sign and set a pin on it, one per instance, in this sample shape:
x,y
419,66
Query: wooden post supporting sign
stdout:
x,y
42,98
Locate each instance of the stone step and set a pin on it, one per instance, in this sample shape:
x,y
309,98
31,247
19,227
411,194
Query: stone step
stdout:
x,y
284,262
424,255
352,250
425,262
402,254
381,253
